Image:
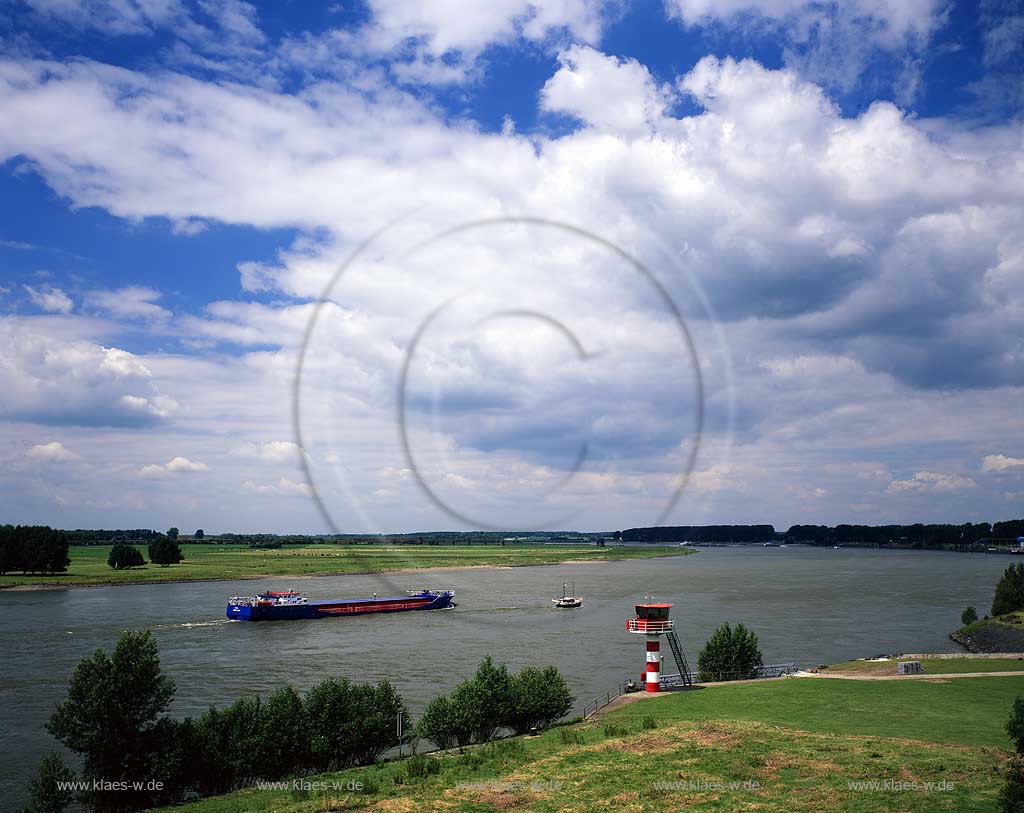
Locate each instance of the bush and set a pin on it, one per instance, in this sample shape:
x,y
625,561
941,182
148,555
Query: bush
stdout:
x,y
124,556
420,767
164,552
1011,797
44,795
1010,591
539,698
1015,725
351,724
968,616
492,700
731,653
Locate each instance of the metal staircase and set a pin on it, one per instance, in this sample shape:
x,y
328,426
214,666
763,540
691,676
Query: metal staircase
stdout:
x,y
677,653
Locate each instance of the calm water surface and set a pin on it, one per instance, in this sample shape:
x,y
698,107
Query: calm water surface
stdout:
x,y
806,605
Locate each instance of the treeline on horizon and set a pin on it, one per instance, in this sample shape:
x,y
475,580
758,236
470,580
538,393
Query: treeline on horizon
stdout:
x,y
103,536
968,533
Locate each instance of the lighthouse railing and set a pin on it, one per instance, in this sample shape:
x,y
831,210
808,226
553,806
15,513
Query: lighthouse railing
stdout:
x,y
643,625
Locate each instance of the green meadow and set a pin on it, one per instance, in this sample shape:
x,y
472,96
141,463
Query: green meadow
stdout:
x,y
798,744
204,562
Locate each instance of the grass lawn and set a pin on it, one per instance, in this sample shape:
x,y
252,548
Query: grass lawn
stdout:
x,y
89,563
793,745
935,666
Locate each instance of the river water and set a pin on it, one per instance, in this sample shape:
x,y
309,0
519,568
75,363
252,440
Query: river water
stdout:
x,y
807,605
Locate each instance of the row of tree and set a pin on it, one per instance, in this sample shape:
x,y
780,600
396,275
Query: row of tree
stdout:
x,y
699,533
918,534
134,756
33,549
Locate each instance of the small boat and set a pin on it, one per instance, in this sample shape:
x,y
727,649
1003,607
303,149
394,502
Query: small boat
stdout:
x,y
567,602
287,605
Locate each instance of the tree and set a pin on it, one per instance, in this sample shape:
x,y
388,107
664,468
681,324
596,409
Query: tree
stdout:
x,y
164,552
124,556
731,653
1015,725
539,698
112,718
199,534
351,724
45,794
172,533
968,616
284,735
1010,591
491,690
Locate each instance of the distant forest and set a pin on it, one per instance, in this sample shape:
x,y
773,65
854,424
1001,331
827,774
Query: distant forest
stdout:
x,y
918,535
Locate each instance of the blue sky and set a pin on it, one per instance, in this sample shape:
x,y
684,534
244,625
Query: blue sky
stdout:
x,y
829,194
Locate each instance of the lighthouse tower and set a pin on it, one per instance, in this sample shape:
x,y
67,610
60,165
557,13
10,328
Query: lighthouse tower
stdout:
x,y
651,621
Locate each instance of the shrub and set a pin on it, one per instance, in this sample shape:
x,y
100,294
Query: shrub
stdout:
x,y
421,766
968,616
1015,725
731,653
351,724
124,556
1011,797
539,698
44,795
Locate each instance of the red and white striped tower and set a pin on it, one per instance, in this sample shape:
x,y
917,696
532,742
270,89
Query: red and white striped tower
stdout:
x,y
652,622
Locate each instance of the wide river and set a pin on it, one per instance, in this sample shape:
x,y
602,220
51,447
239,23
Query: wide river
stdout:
x,y
807,605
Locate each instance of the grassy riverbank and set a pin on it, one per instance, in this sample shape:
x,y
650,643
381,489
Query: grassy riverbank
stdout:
x,y
208,562
932,666
796,744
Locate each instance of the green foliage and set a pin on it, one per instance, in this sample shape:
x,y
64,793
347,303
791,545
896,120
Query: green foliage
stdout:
x,y
351,724
124,556
420,766
1010,591
539,697
33,549
199,534
1011,797
44,795
1015,725
111,718
164,551
172,533
731,653
968,616
492,700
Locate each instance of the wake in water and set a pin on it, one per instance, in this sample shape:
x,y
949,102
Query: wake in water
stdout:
x,y
191,624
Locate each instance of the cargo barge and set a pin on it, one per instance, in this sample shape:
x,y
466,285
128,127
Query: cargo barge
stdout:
x,y
287,605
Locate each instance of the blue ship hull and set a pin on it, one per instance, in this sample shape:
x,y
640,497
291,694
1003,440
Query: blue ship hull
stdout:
x,y
271,611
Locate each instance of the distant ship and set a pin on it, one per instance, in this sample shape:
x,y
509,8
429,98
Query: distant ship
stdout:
x,y
287,605
564,602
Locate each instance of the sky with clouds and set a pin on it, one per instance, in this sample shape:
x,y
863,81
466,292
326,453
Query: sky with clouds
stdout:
x,y
388,265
